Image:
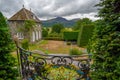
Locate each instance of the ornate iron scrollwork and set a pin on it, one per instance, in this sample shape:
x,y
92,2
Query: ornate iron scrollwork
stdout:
x,y
36,67
61,60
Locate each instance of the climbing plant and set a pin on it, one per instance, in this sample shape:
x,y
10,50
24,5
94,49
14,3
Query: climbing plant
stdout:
x,y
27,28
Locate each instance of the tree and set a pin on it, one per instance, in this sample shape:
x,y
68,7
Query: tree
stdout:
x,y
110,12
81,23
105,44
45,32
57,28
7,70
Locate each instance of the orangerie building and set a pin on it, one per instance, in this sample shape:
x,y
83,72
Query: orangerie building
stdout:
x,y
18,20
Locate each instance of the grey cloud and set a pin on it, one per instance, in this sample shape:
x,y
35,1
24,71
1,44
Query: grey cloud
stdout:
x,y
76,7
49,8
9,7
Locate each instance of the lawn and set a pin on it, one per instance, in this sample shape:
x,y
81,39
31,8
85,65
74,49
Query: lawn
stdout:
x,y
53,47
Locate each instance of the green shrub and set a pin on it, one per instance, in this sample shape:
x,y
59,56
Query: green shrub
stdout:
x,y
70,35
68,43
7,61
53,38
105,44
54,35
85,34
57,28
75,51
44,33
105,49
25,44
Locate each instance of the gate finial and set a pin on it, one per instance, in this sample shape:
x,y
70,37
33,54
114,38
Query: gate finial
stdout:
x,y
15,38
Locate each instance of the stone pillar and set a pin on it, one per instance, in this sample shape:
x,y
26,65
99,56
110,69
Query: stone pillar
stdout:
x,y
17,35
36,35
40,35
33,36
20,35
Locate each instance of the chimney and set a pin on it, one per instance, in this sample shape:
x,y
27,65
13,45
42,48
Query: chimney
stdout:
x,y
23,5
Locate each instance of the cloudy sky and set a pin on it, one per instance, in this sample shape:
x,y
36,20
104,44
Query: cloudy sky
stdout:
x,y
47,9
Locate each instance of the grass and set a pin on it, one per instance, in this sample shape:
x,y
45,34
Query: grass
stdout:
x,y
36,45
54,47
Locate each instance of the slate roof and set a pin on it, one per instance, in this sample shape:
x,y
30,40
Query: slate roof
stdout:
x,y
24,14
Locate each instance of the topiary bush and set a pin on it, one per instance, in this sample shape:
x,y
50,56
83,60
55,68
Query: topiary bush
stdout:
x,y
53,38
70,35
54,35
85,34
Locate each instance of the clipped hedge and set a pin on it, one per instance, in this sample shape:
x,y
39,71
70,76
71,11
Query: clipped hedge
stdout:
x,y
70,35
53,38
54,35
85,34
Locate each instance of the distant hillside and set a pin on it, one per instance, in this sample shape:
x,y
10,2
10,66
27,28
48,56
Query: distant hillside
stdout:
x,y
65,22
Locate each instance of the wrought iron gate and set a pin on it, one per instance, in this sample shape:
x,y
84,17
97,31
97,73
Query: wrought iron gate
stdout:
x,y
35,66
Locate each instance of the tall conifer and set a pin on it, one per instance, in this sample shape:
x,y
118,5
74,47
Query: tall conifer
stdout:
x,y
7,68
105,44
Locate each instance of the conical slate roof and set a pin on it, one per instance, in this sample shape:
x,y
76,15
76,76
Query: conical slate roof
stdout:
x,y
24,14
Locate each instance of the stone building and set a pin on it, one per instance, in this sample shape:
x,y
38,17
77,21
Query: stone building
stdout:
x,y
17,21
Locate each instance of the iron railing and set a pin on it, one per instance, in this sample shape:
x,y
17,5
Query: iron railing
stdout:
x,y
33,65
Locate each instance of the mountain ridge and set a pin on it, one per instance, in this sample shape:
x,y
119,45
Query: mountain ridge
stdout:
x,y
61,20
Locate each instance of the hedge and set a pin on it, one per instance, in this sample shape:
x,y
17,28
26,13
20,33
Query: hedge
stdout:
x,y
85,34
70,35
53,38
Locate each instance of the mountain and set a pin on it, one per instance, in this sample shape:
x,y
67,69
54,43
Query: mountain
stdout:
x,y
65,22
76,19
